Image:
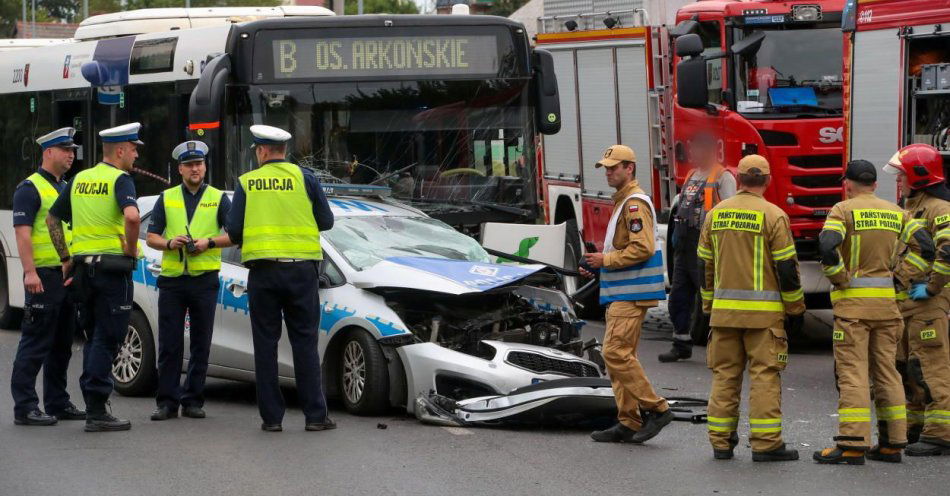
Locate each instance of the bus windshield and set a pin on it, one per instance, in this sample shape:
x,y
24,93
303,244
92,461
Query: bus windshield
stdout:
x,y
445,142
796,70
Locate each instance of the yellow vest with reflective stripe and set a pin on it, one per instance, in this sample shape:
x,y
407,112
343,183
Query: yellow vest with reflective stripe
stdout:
x,y
278,215
98,224
44,253
204,224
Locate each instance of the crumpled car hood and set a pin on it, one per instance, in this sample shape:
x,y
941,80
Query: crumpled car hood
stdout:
x,y
441,275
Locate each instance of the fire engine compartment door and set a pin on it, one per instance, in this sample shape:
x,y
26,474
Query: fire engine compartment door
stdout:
x,y
875,102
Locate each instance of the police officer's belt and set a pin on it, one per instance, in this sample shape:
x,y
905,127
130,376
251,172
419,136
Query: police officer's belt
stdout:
x,y
109,263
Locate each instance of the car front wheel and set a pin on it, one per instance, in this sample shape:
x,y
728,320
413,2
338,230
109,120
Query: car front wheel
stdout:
x,y
363,376
133,370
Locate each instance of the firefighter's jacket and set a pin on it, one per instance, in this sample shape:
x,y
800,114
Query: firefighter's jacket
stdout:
x,y
935,214
859,246
750,264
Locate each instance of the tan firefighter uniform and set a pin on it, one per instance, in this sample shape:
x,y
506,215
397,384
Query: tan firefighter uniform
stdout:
x,y
751,282
867,321
923,353
632,256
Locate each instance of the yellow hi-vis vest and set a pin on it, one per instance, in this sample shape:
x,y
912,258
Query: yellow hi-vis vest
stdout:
x,y
204,224
98,224
44,253
278,215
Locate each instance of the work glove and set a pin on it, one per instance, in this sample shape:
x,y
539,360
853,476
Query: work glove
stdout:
x,y
794,324
918,292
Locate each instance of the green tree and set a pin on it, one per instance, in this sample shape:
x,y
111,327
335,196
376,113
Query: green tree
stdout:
x,y
383,7
505,8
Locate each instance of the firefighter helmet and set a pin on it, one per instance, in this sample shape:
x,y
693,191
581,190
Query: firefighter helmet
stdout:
x,y
922,164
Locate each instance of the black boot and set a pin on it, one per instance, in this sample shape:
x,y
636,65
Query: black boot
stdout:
x,y
35,417
929,447
99,419
881,453
164,413
727,454
781,454
653,423
837,456
619,433
675,354
70,413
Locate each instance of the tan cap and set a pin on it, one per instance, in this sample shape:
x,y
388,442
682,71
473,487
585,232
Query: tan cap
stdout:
x,y
754,165
616,154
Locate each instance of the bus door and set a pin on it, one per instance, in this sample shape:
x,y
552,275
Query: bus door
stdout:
x,y
72,108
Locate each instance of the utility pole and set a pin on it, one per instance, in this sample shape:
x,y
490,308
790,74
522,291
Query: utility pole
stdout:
x,y
187,4
338,7
85,9
34,20
359,7
23,34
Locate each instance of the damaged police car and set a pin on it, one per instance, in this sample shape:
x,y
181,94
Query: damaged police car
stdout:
x,y
409,308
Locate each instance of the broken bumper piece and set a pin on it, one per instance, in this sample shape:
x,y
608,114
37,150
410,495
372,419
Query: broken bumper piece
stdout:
x,y
562,402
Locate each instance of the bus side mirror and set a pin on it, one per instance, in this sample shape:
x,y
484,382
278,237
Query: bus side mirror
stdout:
x,y
547,104
204,106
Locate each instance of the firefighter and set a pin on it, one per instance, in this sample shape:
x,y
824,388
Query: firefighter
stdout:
x,y
100,205
858,248
278,212
631,282
923,352
750,283
705,186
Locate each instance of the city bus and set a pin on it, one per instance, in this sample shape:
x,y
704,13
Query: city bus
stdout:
x,y
444,110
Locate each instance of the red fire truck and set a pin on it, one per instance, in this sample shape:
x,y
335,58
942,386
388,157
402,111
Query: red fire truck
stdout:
x,y
897,76
765,77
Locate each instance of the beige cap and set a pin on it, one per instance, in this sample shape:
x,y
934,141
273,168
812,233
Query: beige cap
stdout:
x,y
616,154
754,165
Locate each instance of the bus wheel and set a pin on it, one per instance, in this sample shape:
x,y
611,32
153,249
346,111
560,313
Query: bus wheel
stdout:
x,y
133,369
9,316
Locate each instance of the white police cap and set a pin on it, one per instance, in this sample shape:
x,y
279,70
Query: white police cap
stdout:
x,y
62,137
190,151
269,135
123,133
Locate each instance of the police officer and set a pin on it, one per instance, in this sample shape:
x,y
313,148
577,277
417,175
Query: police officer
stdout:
x,y
100,205
858,248
705,186
923,357
631,282
278,212
186,225
750,283
48,324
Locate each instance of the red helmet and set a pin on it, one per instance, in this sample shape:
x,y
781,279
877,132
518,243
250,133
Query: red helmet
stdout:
x,y
922,164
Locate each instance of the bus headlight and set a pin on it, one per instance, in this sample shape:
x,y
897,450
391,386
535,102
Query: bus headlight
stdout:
x,y
806,13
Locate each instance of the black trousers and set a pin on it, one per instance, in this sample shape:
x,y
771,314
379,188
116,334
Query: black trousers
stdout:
x,y
279,291
49,323
685,303
105,309
197,296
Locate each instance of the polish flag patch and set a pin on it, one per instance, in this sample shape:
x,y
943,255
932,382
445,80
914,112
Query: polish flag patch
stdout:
x,y
633,208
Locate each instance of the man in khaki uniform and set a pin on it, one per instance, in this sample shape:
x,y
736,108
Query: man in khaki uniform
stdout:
x,y
631,281
858,253
751,281
924,303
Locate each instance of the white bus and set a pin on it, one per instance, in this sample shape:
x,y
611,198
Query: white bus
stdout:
x,y
444,109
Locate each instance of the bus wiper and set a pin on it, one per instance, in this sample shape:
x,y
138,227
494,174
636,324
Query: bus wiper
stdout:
x,y
381,179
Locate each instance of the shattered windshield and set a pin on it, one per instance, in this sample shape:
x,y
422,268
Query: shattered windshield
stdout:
x,y
458,142
796,70
365,241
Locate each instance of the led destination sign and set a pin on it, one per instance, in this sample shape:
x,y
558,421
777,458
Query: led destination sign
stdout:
x,y
425,56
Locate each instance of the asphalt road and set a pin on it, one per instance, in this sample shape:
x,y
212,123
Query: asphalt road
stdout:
x,y
228,454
